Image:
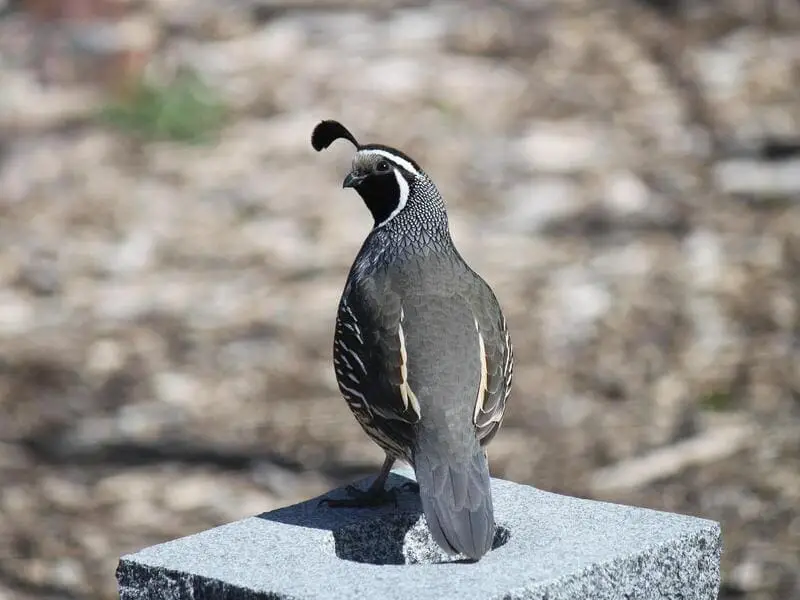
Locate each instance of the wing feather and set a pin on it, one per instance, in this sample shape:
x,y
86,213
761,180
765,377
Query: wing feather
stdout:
x,y
497,366
370,362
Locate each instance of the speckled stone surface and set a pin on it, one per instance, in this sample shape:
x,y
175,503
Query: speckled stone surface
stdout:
x,y
548,546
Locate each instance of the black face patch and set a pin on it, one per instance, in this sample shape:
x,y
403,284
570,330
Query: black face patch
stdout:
x,y
381,194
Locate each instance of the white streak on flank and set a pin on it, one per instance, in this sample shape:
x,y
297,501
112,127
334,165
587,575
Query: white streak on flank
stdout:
x,y
356,332
355,356
353,392
509,364
344,358
403,358
481,397
352,325
402,184
405,390
395,159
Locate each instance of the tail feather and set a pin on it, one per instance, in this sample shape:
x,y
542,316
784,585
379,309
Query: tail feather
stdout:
x,y
457,501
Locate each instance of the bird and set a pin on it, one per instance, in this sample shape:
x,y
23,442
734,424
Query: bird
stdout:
x,y
421,350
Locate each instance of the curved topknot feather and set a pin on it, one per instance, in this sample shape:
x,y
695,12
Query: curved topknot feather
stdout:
x,y
327,132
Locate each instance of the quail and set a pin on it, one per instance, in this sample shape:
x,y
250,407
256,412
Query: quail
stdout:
x,y
421,351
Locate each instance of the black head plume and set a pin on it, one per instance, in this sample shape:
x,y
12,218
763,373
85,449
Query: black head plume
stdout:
x,y
327,132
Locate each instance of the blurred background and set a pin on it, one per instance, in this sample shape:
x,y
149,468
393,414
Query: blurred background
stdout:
x,y
624,173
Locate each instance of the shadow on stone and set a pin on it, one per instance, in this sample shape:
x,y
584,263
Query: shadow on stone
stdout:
x,y
321,516
398,539
392,534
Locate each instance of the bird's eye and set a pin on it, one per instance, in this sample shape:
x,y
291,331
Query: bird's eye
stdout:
x,y
382,167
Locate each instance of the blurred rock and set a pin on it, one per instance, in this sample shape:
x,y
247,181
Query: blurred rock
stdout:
x,y
564,148
40,272
543,201
762,181
747,576
626,194
16,314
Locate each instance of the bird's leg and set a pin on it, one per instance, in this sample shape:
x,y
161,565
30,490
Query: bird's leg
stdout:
x,y
375,495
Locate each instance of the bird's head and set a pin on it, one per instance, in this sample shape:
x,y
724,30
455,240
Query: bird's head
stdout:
x,y
384,177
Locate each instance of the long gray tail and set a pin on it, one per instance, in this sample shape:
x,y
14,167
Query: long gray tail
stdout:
x,y
457,501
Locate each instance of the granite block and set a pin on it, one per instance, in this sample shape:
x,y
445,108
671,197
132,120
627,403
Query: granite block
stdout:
x,y
547,546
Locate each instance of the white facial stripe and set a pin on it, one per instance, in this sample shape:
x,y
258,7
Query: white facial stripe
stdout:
x,y
395,159
401,202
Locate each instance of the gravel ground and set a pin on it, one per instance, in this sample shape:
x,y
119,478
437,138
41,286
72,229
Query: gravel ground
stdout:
x,y
625,175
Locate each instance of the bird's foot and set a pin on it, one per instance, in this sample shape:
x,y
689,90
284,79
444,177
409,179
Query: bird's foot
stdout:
x,y
370,498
